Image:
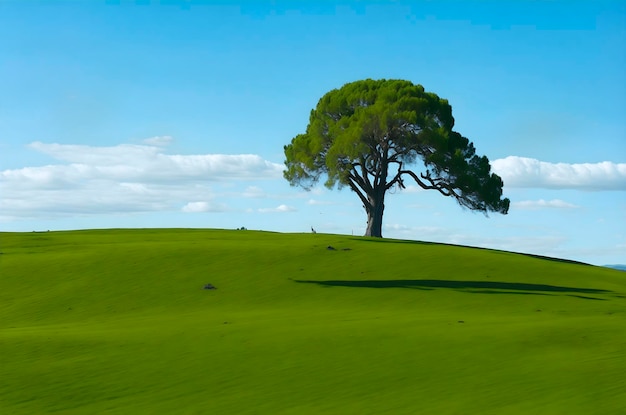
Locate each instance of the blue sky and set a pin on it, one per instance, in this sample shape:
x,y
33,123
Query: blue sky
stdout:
x,y
175,114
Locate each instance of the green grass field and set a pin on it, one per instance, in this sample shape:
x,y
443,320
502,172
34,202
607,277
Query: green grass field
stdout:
x,y
118,322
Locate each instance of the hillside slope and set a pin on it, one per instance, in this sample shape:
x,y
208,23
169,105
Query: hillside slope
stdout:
x,y
118,322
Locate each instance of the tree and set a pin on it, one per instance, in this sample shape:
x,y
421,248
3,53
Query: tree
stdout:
x,y
366,134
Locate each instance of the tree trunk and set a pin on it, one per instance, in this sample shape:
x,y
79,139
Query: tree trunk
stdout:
x,y
375,216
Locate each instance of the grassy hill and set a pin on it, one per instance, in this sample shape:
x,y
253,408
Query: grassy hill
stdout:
x,y
118,322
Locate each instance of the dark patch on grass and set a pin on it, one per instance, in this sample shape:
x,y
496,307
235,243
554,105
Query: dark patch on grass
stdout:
x,y
587,298
505,292
485,287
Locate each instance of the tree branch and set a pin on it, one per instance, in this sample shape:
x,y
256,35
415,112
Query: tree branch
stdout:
x,y
361,179
397,178
382,167
356,190
444,190
365,175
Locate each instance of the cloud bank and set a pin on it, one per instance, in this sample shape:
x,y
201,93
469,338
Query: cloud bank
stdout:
x,y
122,179
146,163
531,173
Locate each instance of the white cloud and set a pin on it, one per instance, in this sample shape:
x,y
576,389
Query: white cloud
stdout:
x,y
254,192
278,209
162,140
194,207
149,163
543,204
122,154
531,173
314,202
123,178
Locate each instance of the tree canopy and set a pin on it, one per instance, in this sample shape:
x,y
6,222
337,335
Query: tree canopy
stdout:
x,y
367,134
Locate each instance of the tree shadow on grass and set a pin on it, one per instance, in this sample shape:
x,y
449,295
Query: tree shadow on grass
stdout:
x,y
477,287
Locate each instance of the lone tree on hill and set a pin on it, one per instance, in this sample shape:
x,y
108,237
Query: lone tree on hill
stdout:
x,y
366,134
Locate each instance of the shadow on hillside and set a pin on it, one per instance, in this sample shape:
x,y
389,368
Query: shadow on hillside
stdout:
x,y
406,241
479,287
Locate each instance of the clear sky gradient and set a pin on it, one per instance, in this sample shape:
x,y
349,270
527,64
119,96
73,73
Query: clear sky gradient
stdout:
x,y
175,114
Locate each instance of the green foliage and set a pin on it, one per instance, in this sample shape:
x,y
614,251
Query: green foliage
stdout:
x,y
365,134
117,322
